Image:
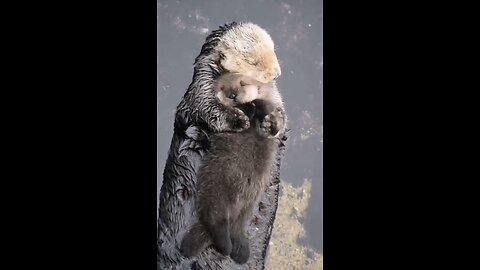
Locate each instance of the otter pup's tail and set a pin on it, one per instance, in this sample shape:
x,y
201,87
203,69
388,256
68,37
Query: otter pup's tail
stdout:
x,y
194,241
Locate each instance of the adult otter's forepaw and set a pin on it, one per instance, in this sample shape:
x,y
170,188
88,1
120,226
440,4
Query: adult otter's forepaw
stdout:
x,y
237,120
273,124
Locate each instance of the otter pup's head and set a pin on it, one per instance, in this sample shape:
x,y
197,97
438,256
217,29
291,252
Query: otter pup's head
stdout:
x,y
233,89
248,49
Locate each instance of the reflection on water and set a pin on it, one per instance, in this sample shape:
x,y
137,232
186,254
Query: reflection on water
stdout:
x,y
296,28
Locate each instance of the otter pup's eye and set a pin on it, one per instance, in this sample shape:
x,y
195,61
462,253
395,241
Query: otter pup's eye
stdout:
x,y
232,96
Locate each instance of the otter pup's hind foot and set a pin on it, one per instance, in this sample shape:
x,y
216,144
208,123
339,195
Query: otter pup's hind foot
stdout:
x,y
240,250
221,239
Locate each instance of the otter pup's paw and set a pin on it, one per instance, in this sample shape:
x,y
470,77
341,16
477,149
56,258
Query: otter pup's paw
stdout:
x,y
237,120
273,124
240,250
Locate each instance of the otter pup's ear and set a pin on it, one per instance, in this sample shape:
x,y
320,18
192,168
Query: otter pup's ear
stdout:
x,y
248,109
242,83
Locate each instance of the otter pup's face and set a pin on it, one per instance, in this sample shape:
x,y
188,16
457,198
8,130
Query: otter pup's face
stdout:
x,y
249,50
233,89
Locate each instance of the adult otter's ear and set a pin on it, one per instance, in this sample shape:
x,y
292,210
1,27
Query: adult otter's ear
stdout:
x,y
248,109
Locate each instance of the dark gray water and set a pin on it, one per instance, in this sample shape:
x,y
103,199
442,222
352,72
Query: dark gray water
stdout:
x,y
296,28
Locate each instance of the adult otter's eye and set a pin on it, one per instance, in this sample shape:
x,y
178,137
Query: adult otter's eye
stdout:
x,y
252,61
232,96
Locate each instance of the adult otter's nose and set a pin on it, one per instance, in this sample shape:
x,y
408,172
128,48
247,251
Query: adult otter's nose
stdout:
x,y
278,72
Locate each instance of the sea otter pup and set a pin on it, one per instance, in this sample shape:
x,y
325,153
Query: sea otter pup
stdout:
x,y
237,90
235,170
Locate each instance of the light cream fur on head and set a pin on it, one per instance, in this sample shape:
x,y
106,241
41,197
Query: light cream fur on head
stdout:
x,y
248,49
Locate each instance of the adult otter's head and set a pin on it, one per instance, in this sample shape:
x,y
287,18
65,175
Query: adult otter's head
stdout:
x,y
248,49
244,48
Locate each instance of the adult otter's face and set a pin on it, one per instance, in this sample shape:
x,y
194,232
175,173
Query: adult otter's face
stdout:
x,y
249,50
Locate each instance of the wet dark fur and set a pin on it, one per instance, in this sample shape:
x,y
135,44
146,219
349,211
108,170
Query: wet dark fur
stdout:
x,y
197,116
234,173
